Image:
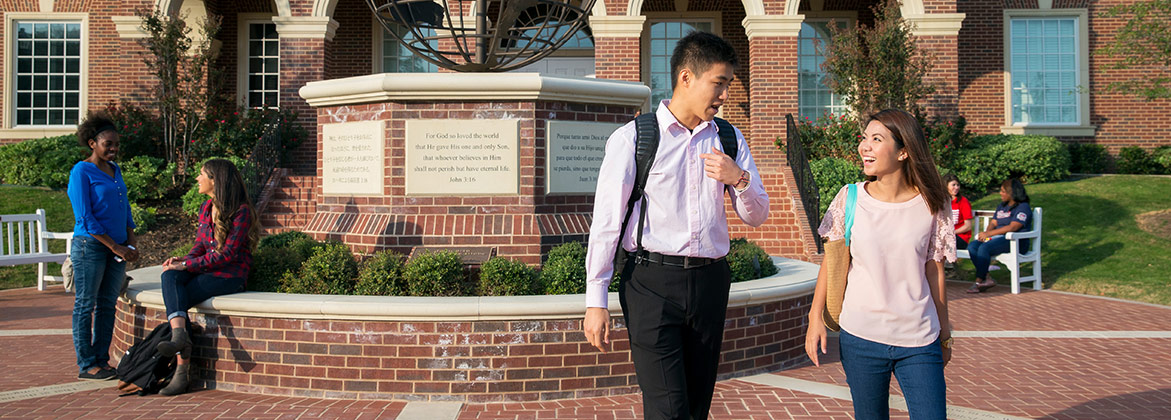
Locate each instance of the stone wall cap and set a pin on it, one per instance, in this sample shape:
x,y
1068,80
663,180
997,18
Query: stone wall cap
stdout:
x,y
794,279
472,87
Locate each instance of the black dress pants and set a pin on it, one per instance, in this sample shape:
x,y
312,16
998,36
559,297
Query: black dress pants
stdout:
x,y
675,320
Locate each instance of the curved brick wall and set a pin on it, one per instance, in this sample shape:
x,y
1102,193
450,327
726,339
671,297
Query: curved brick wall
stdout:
x,y
468,349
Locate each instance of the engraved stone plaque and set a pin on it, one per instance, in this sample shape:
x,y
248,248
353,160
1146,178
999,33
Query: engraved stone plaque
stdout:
x,y
574,155
352,161
462,157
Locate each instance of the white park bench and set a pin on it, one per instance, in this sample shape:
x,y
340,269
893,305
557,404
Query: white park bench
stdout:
x,y
25,240
1015,257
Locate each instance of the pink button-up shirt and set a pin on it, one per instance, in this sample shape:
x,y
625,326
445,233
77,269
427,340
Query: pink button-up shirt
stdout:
x,y
685,213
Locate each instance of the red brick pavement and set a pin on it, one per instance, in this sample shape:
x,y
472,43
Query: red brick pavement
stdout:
x,y
32,361
105,404
1060,378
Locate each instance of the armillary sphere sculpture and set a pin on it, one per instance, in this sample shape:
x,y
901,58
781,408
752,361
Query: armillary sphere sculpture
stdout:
x,y
484,35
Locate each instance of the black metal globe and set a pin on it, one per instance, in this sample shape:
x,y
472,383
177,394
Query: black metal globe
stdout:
x,y
485,35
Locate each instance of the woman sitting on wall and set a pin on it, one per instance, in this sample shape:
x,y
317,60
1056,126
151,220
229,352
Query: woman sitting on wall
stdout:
x,y
218,263
1012,215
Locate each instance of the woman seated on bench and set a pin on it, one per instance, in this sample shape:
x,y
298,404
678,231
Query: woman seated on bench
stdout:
x,y
1012,215
218,263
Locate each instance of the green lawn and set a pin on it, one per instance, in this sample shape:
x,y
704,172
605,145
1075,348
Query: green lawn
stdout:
x,y
1091,241
20,200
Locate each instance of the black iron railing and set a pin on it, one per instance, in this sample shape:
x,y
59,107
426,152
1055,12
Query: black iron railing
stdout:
x,y
803,177
265,157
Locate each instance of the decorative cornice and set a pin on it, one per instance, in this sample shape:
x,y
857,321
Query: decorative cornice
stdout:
x,y
472,86
617,26
129,26
772,25
316,27
936,24
1056,131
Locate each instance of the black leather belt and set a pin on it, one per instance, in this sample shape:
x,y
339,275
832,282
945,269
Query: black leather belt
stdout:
x,y
656,258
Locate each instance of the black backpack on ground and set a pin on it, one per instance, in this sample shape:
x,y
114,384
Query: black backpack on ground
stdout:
x,y
142,370
646,146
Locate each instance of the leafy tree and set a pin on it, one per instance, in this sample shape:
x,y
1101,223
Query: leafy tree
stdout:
x,y
879,67
1144,41
188,84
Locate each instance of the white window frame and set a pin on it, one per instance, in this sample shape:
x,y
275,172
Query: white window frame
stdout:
x,y
645,39
1082,127
8,128
848,17
242,22
377,55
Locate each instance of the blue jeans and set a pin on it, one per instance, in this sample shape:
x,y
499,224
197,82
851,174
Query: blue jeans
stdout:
x,y
982,253
97,281
184,289
868,367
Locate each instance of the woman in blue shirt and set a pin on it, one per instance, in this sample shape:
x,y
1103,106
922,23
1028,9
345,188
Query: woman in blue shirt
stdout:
x,y
103,240
1012,215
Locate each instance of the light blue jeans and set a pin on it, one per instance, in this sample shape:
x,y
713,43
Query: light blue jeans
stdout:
x,y
97,281
868,367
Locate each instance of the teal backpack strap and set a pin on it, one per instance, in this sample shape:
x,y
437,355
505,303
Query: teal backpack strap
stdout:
x,y
851,201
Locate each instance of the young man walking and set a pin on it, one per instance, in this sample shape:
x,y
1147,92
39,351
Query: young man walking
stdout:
x,y
674,291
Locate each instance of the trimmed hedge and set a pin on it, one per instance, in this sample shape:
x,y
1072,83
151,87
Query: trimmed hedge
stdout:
x,y
564,272
989,160
504,277
382,275
43,162
1136,160
437,274
330,271
278,255
1087,158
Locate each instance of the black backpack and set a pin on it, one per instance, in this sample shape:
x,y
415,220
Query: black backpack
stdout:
x,y
647,145
142,370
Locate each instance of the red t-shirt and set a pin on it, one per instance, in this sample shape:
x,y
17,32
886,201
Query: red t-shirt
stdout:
x,y
961,210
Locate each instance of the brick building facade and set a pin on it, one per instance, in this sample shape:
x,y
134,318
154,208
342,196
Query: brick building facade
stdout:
x,y
1011,66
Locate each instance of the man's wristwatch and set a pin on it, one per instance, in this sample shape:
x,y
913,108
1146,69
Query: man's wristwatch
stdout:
x,y
946,343
742,183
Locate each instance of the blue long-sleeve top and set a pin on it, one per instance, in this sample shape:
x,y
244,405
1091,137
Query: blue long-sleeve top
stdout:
x,y
100,204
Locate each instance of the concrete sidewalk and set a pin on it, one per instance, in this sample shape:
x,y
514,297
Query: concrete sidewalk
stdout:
x,y
1034,355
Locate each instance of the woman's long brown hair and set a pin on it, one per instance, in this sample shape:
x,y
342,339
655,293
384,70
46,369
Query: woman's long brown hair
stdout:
x,y
229,195
920,165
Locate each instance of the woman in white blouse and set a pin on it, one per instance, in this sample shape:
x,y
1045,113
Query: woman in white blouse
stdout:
x,y
894,316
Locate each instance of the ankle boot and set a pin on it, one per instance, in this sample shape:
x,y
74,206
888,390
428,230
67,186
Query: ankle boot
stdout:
x,y
179,381
179,343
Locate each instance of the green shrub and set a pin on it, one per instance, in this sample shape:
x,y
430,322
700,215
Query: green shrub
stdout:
x,y
564,272
1136,160
139,131
330,271
945,138
235,133
382,275
43,162
147,178
283,239
830,136
192,199
278,257
145,218
1162,158
831,175
438,273
1087,158
989,160
748,262
503,277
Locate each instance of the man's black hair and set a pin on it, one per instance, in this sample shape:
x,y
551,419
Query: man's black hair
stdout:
x,y
698,51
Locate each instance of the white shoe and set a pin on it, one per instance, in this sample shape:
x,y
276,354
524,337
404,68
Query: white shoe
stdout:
x,y
993,267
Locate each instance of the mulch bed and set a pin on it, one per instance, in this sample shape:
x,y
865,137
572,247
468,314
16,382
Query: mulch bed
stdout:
x,y
173,230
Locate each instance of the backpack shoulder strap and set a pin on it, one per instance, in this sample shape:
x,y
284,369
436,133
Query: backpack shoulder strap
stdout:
x,y
851,202
646,145
727,137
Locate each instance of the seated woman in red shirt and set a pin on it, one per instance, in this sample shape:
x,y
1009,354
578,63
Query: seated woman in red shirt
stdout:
x,y
218,263
961,212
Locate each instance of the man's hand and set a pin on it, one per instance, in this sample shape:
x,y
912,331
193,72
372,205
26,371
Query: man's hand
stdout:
x,y
721,167
597,328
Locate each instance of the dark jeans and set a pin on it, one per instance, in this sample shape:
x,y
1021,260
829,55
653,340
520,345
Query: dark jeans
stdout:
x,y
675,319
982,252
961,243
868,367
184,289
97,281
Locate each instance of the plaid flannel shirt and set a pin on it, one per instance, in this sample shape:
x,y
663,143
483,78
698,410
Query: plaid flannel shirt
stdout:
x,y
234,260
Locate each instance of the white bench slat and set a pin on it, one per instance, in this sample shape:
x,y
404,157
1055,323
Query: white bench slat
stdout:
x,y
28,244
1015,257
